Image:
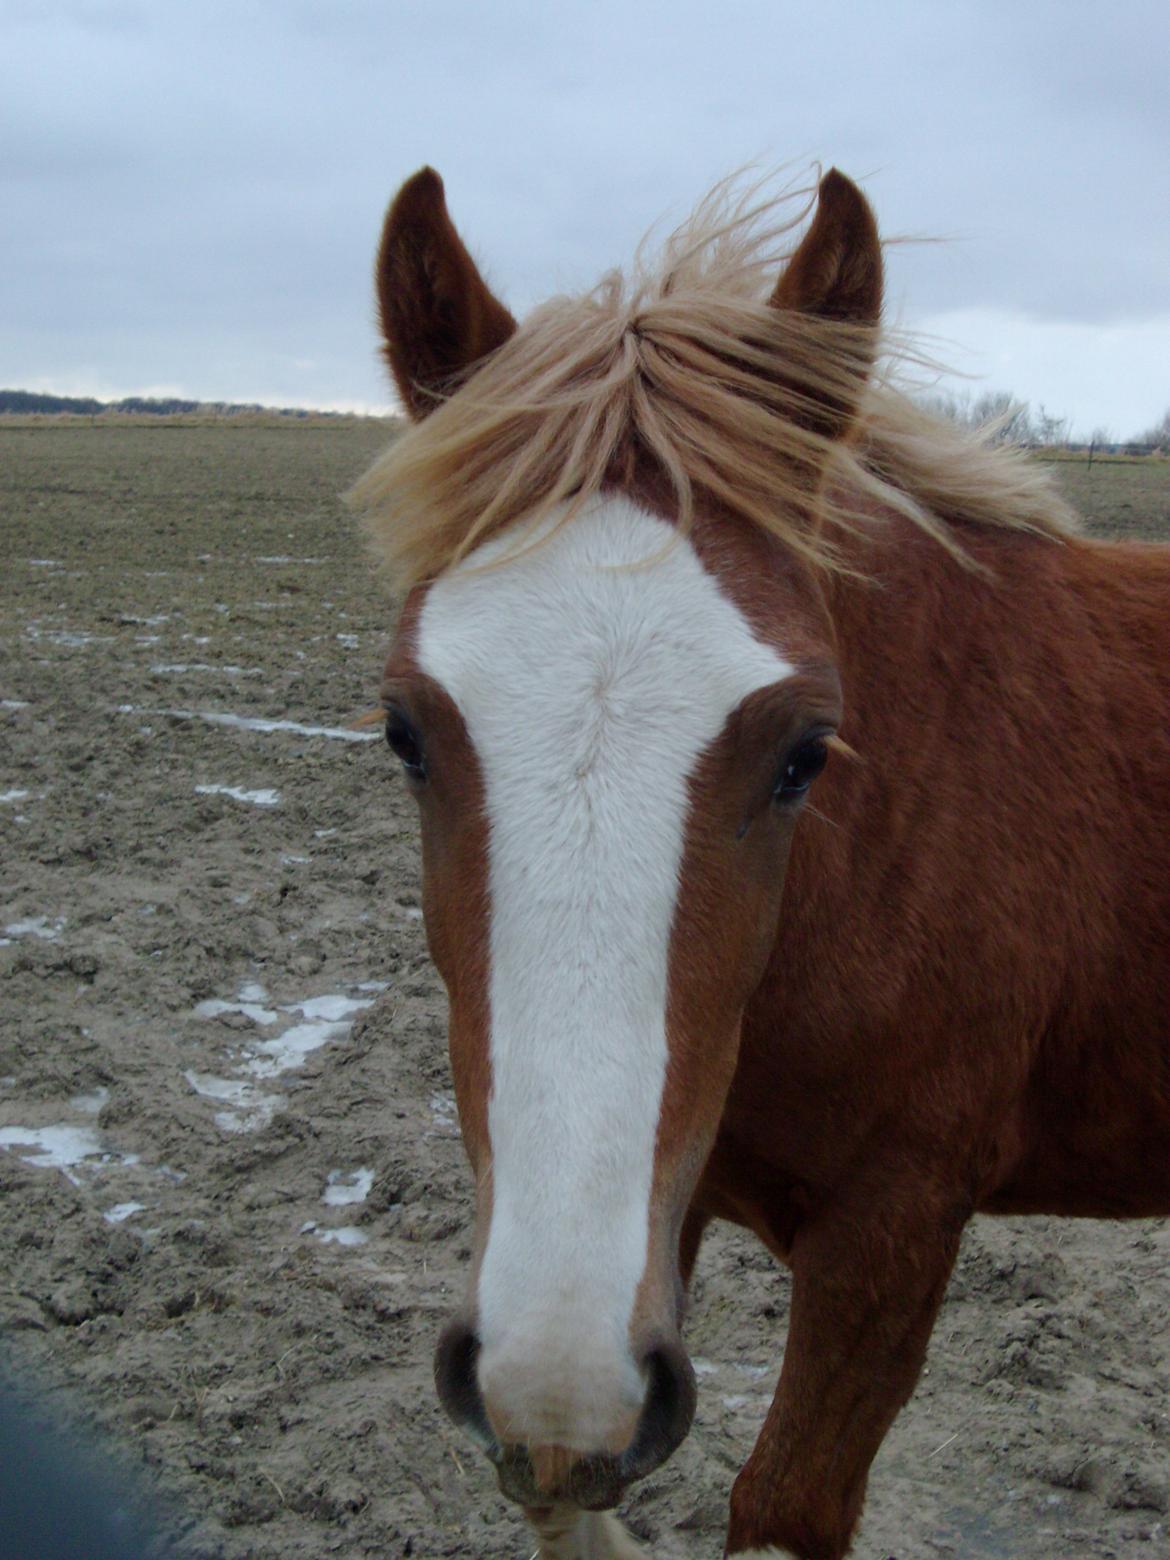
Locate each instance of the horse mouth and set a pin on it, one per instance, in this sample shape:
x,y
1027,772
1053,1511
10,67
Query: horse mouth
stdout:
x,y
593,1482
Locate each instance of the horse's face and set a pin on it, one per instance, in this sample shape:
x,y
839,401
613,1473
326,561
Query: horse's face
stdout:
x,y
609,752
610,736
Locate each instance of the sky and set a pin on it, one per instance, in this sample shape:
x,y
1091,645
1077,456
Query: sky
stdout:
x,y
193,189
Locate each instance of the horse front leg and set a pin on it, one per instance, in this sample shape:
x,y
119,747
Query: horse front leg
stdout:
x,y
567,1533
867,1281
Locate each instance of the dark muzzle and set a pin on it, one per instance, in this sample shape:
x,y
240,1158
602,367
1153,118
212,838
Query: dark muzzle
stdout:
x,y
596,1482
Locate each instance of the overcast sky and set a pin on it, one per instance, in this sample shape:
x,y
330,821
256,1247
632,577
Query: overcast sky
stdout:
x,y
192,189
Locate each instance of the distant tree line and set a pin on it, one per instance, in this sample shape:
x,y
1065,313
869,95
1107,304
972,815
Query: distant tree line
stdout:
x,y
1007,420
1158,435
29,401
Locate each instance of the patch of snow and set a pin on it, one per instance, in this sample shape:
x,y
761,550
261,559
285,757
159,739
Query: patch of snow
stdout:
x,y
180,668
443,1112
37,926
250,1003
256,723
90,1104
332,1009
71,638
122,1211
250,1111
350,641
13,704
703,1367
265,798
233,1091
343,1188
52,1148
343,1235
325,1018
13,796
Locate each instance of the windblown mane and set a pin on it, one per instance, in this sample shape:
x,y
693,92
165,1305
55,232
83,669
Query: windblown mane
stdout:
x,y
684,360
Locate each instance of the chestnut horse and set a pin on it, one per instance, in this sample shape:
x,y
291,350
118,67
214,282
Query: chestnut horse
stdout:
x,y
673,549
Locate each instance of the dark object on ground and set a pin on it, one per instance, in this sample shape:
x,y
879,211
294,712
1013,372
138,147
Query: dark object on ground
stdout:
x,y
59,1500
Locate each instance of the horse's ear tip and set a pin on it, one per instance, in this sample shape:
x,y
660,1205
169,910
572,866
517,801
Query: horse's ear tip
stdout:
x,y
423,188
837,185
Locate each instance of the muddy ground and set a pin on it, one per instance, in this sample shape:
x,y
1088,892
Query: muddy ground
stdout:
x,y
234,1203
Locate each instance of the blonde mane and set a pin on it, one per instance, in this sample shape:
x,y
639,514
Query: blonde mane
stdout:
x,y
683,361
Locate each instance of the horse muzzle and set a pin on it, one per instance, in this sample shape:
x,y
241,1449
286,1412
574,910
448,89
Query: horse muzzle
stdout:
x,y
592,1481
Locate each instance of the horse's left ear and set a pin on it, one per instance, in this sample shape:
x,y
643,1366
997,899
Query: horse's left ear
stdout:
x,y
439,317
836,272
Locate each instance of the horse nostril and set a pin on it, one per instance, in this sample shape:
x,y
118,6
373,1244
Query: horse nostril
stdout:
x,y
667,1410
457,1385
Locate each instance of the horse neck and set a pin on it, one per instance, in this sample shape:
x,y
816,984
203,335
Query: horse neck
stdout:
x,y
932,650
996,713
957,688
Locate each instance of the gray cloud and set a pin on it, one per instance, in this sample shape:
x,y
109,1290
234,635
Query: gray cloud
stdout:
x,y
193,192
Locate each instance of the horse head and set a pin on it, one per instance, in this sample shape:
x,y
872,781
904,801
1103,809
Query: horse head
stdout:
x,y
611,707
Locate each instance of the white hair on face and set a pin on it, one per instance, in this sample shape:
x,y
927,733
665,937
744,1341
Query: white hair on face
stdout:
x,y
589,690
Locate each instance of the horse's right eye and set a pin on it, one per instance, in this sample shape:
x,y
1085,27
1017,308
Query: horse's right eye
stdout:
x,y
406,744
800,769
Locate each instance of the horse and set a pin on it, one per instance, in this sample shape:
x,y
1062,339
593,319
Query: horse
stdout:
x,y
794,785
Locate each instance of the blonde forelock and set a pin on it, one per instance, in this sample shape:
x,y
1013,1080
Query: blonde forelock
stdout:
x,y
684,361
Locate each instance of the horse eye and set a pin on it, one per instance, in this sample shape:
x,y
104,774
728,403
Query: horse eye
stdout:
x,y
405,742
801,768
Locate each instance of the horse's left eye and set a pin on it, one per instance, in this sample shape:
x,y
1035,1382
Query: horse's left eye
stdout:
x,y
801,768
405,742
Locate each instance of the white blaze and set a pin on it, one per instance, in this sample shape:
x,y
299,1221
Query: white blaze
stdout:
x,y
589,691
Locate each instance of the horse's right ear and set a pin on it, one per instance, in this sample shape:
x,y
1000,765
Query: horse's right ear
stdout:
x,y
438,316
836,271
836,274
